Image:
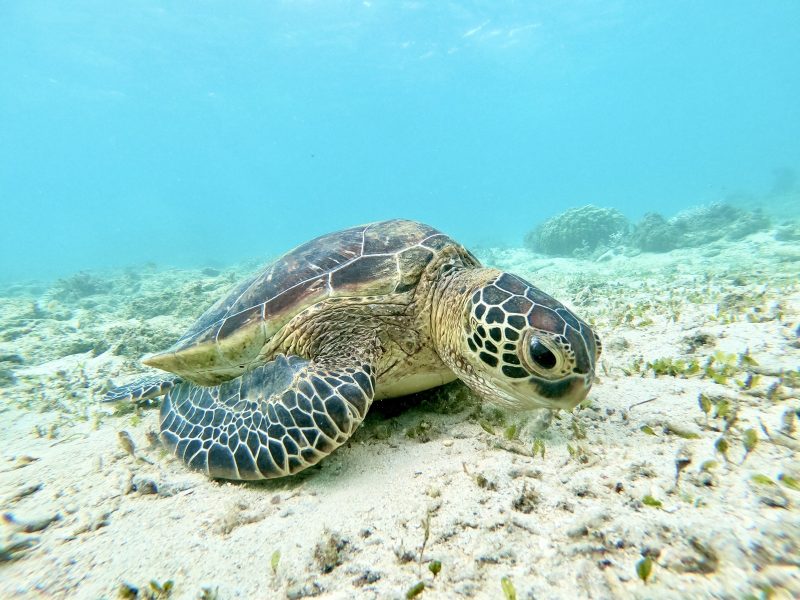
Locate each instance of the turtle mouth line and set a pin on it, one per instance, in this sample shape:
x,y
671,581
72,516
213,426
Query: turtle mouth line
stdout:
x,y
565,393
578,389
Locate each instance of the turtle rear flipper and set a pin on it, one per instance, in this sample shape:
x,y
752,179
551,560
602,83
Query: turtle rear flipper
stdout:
x,y
272,421
151,386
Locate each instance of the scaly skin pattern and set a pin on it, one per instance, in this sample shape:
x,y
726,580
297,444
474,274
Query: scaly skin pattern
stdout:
x,y
275,420
510,342
447,319
151,386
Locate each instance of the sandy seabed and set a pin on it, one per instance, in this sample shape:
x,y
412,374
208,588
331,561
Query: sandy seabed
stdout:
x,y
683,461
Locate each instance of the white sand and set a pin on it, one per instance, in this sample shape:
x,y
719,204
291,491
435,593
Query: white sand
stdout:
x,y
566,525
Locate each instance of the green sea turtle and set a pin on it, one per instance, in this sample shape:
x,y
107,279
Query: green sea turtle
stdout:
x,y
279,373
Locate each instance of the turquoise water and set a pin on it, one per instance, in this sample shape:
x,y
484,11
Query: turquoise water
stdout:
x,y
193,133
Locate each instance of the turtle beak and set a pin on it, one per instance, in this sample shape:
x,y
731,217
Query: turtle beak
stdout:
x,y
563,394
579,389
533,393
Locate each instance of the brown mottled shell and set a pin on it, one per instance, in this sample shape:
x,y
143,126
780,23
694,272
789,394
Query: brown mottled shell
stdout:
x,y
376,259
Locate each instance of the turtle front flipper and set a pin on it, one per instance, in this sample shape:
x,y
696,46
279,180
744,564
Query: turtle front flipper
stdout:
x,y
151,386
272,421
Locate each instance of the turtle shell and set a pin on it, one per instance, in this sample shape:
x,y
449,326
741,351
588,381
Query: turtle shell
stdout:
x,y
369,260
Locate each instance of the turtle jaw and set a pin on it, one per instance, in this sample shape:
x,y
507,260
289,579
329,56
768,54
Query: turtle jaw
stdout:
x,y
532,393
564,394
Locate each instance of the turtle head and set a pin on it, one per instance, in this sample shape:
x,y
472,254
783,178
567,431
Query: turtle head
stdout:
x,y
523,349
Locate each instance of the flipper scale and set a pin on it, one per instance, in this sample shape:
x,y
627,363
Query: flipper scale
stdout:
x,y
267,442
151,386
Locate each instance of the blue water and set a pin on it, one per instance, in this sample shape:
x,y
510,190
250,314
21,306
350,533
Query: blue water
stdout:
x,y
207,132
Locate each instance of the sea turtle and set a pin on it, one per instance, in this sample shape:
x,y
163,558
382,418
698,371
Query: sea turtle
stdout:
x,y
280,372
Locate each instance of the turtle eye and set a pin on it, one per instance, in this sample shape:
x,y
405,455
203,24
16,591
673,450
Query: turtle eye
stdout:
x,y
541,355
